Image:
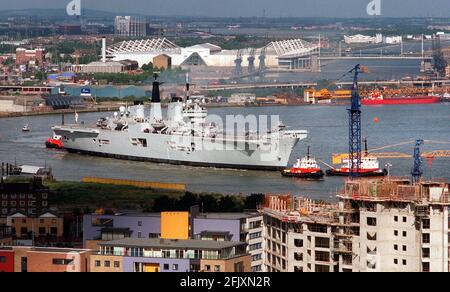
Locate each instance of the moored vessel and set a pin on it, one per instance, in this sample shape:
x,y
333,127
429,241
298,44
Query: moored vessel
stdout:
x,y
378,99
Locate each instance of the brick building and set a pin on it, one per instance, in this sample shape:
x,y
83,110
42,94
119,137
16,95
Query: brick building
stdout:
x,y
34,57
30,198
46,226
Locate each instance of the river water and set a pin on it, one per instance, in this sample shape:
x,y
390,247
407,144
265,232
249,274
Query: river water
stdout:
x,y
328,127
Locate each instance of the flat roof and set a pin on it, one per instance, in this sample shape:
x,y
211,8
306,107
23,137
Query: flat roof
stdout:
x,y
226,216
174,244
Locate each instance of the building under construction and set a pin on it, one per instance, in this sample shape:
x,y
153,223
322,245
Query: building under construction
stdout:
x,y
388,225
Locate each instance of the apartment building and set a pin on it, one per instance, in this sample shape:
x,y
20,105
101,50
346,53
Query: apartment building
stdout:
x,y
236,227
47,225
161,255
377,226
29,197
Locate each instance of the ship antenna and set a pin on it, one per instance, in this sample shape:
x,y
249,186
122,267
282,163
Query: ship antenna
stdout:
x,y
308,155
187,86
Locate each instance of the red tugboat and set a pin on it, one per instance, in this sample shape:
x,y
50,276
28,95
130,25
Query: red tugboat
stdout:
x,y
54,143
306,167
370,167
378,99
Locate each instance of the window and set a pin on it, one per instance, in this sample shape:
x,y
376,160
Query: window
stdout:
x,y
239,267
2,260
107,264
255,246
42,231
298,256
175,267
116,264
395,261
372,237
53,230
426,253
256,257
405,219
404,248
425,238
395,232
426,224
166,267
255,235
404,262
62,262
208,268
139,234
139,223
425,267
98,264
395,247
405,234
217,269
371,221
298,243
153,235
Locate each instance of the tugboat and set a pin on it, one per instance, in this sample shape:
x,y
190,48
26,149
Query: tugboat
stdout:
x,y
370,167
54,143
306,167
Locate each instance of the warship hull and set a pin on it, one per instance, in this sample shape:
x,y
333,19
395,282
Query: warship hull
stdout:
x,y
267,154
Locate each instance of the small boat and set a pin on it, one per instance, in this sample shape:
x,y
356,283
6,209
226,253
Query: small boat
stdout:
x,y
369,167
54,143
26,128
306,167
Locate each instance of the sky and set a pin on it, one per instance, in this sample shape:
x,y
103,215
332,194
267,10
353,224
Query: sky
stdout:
x,y
246,8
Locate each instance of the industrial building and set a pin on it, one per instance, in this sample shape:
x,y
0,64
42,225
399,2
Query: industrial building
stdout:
x,y
286,54
130,26
386,225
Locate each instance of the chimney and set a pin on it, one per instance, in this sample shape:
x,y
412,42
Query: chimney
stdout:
x,y
104,49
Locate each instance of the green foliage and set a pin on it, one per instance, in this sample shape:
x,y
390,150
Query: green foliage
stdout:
x,y
71,196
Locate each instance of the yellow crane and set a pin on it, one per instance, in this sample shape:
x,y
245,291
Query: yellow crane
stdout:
x,y
337,158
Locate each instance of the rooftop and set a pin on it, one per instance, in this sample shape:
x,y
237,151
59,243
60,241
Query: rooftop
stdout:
x,y
226,216
174,244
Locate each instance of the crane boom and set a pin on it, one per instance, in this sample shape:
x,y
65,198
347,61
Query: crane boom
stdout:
x,y
355,126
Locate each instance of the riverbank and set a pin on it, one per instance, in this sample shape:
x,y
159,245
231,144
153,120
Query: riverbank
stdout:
x,y
67,196
110,107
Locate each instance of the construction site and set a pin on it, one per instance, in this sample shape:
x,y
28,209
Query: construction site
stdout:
x,y
389,225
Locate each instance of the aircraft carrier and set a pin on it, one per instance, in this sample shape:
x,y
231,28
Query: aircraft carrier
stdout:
x,y
184,137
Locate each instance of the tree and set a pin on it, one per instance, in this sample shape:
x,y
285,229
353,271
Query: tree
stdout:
x,y
148,67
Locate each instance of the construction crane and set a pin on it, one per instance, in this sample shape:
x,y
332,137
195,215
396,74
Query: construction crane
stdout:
x,y
354,112
418,160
